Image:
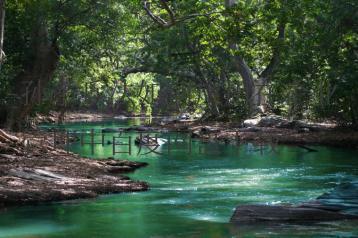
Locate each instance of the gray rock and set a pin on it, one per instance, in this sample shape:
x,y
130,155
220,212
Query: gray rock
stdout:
x,y
340,203
264,213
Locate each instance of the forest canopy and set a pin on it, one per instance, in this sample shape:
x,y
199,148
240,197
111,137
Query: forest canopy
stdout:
x,y
227,59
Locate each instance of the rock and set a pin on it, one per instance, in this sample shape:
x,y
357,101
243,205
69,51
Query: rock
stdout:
x,y
271,121
251,122
303,130
196,134
340,203
184,116
265,121
120,169
344,196
209,129
249,129
265,213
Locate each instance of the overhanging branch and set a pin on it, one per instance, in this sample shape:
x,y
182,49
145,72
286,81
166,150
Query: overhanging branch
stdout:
x,y
275,60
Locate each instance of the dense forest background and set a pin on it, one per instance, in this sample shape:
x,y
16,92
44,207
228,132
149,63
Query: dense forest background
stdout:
x,y
227,60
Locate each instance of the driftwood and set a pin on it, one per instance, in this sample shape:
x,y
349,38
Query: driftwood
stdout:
x,y
36,174
5,148
6,138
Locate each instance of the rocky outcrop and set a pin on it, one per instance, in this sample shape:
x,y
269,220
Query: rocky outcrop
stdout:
x,y
340,203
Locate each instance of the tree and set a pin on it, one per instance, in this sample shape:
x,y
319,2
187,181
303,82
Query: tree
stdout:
x,y
2,30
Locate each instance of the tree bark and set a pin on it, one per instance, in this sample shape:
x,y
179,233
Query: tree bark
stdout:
x,y
2,30
254,87
38,72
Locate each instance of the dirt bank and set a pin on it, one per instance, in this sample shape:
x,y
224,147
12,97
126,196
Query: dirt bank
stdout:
x,y
54,117
31,171
281,133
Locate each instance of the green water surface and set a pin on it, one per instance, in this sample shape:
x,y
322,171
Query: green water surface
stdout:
x,y
194,194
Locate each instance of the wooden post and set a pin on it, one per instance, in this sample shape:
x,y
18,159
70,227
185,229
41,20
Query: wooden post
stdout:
x,y
67,142
156,138
102,138
92,141
169,144
189,144
54,138
82,139
114,145
129,145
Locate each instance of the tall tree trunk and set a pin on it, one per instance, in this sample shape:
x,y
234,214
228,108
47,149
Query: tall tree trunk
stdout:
x,y
254,88
38,72
244,70
2,30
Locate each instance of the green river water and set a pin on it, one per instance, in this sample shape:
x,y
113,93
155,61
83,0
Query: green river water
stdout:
x,y
194,195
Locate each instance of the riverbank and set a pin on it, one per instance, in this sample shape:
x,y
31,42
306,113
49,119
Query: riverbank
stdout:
x,y
54,117
32,171
267,130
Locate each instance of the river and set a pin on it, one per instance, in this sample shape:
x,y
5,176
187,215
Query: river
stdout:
x,y
194,194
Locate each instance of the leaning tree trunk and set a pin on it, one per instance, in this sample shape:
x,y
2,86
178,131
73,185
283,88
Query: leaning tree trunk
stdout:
x,y
254,87
252,98
29,84
2,30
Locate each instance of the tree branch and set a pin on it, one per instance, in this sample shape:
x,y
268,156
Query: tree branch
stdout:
x,y
275,60
173,19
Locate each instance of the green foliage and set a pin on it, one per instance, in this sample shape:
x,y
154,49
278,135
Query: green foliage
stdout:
x,y
189,63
